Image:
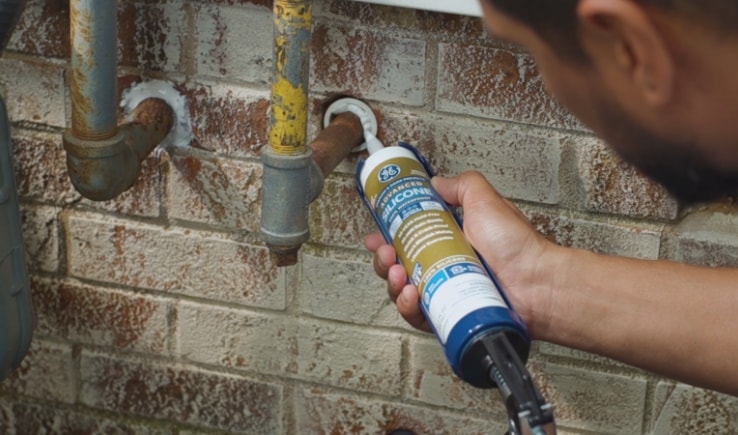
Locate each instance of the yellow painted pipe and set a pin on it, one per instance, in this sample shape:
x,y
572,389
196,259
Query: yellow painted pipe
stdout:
x,y
290,81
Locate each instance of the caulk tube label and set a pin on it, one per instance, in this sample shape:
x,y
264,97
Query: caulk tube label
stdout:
x,y
450,278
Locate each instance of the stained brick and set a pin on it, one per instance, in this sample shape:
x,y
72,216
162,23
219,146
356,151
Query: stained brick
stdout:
x,y
565,352
705,238
395,19
33,91
41,169
228,119
41,237
216,192
522,163
682,410
349,357
180,393
347,228
203,265
587,399
234,42
324,412
347,291
612,186
237,339
371,65
152,35
43,29
433,382
496,83
641,241
103,317
17,417
47,372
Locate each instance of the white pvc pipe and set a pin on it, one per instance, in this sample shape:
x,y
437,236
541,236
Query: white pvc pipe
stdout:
x,y
461,7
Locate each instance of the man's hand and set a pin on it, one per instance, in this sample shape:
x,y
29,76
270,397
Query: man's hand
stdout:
x,y
500,233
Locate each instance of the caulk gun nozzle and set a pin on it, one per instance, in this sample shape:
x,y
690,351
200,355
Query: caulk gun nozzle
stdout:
x,y
372,143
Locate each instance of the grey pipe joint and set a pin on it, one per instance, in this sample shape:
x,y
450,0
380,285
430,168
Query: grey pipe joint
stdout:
x,y
290,183
102,169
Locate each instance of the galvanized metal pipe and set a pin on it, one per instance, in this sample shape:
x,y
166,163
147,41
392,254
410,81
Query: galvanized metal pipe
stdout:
x,y
93,31
291,76
286,191
103,159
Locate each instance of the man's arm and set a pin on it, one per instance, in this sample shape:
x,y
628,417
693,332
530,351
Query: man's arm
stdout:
x,y
672,319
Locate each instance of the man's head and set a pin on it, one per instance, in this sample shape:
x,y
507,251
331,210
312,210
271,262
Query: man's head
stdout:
x,y
655,78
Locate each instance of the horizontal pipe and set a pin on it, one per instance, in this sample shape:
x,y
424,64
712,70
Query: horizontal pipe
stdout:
x,y
336,141
93,90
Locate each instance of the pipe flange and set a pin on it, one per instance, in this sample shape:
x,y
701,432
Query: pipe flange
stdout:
x,y
358,108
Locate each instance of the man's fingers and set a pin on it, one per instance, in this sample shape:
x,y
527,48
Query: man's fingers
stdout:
x,y
374,240
396,280
407,306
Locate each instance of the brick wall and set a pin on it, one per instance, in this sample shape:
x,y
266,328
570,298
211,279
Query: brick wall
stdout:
x,y
161,313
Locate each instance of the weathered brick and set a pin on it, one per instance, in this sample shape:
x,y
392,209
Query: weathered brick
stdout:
x,y
521,162
103,317
347,291
565,352
347,228
432,381
612,186
228,119
41,237
237,339
41,168
151,35
199,264
682,409
642,241
33,91
372,65
234,42
704,239
47,372
43,29
396,19
18,417
349,357
324,412
180,393
498,84
215,192
585,399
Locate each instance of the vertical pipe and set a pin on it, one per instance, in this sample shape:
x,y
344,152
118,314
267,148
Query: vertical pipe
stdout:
x,y
93,82
291,76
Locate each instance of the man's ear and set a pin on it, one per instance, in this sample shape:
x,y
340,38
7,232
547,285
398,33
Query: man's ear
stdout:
x,y
620,35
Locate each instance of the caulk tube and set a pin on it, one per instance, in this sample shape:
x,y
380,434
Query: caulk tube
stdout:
x,y
459,295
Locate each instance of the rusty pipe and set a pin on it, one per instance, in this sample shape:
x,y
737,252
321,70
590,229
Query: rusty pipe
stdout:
x,y
336,141
93,81
102,169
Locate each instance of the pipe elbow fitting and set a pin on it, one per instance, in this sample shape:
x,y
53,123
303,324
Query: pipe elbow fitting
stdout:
x,y
101,169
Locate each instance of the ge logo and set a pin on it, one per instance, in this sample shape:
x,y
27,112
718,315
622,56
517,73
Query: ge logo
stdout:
x,y
388,172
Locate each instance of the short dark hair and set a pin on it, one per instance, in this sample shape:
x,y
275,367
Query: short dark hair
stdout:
x,y
556,20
